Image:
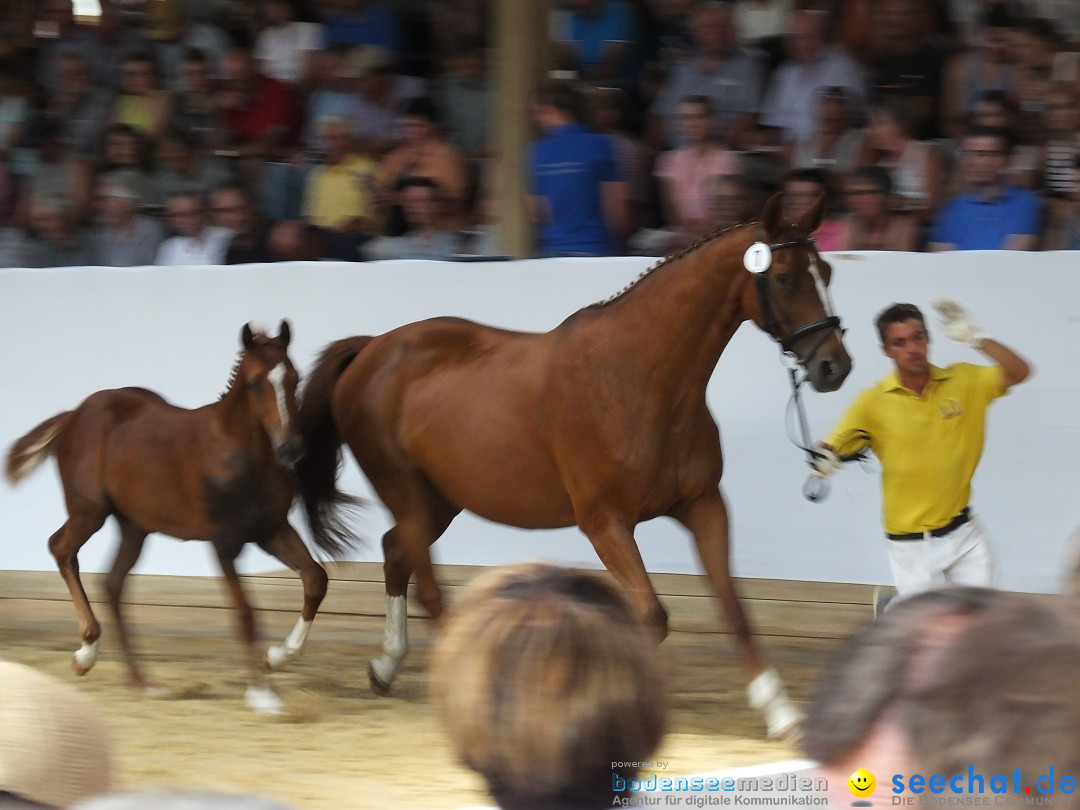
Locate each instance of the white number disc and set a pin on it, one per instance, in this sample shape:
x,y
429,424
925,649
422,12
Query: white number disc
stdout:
x,y
758,258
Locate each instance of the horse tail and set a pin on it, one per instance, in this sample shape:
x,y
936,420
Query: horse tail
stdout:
x,y
327,508
27,454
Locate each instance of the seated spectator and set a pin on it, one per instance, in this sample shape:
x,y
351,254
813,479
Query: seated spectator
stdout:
x,y
599,41
790,105
363,22
380,97
965,681
995,108
428,232
612,111
917,168
970,73
184,167
581,693
338,193
577,196
802,188
991,214
464,99
836,144
56,239
454,23
1035,46
79,106
141,104
195,106
261,115
284,48
1060,153
232,207
735,200
54,750
126,152
686,175
909,64
195,240
50,169
871,224
718,68
122,236
424,152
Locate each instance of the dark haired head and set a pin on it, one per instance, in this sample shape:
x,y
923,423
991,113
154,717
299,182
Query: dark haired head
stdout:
x,y
563,97
421,107
1003,135
897,313
876,176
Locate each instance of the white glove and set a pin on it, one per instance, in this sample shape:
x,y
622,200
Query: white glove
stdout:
x,y
824,463
956,323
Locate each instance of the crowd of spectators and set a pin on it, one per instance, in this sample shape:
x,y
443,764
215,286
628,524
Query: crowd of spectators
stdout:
x,y
177,131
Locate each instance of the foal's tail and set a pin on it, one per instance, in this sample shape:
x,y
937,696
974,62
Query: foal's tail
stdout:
x,y
27,454
327,508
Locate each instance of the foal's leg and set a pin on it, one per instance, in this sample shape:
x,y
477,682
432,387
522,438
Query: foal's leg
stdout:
x,y
84,519
613,539
398,566
707,520
287,546
132,538
259,696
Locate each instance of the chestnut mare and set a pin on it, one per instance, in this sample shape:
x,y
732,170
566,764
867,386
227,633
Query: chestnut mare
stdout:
x,y
601,422
216,473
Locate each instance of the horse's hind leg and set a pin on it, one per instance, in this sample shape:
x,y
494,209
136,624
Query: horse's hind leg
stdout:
x,y
287,546
707,520
83,520
259,696
398,566
132,538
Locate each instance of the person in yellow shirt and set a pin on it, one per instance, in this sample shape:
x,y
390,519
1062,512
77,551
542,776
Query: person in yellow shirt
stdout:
x,y
338,194
926,425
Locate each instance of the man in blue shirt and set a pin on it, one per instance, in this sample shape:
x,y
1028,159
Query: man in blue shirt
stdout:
x,y
577,195
991,214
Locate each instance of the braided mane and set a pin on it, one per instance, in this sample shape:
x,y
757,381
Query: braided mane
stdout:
x,y
260,338
701,241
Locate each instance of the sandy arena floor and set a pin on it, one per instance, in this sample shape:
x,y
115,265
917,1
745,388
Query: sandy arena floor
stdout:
x,y
344,747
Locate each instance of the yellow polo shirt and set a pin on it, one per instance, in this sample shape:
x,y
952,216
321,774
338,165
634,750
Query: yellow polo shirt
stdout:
x,y
929,446
336,194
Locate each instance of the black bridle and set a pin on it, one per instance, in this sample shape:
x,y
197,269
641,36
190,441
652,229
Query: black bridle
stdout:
x,y
815,488
769,321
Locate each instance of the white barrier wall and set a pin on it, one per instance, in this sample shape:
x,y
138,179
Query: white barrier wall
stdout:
x,y
69,332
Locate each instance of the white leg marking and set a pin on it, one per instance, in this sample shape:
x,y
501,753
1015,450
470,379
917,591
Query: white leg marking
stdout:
x,y
86,656
261,699
280,654
767,694
276,378
395,640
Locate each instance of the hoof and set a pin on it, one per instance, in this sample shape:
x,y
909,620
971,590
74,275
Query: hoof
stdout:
x,y
78,668
276,657
378,685
787,726
154,692
262,700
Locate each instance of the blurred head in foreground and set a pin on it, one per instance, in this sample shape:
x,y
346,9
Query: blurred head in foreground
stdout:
x,y
546,677
53,748
956,681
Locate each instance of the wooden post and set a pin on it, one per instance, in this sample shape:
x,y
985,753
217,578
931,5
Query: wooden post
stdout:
x,y
521,55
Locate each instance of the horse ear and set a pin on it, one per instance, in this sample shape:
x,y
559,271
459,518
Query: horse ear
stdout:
x,y
811,220
284,332
770,216
247,337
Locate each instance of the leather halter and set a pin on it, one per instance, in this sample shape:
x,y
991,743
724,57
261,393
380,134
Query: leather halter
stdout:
x,y
768,318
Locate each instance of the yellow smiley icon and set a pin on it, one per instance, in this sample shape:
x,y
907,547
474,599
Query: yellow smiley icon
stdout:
x,y
861,783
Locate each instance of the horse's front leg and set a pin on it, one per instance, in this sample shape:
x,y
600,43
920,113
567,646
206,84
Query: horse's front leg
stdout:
x,y
259,696
707,520
64,545
287,546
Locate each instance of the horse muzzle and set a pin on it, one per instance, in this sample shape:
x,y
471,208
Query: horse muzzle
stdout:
x,y
289,451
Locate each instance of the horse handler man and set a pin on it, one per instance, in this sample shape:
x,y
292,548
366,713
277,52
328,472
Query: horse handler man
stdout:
x,y
926,425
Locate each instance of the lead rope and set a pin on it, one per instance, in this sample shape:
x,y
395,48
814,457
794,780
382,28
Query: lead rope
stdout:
x,y
815,488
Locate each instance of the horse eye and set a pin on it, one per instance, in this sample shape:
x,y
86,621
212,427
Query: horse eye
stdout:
x,y
786,280
253,385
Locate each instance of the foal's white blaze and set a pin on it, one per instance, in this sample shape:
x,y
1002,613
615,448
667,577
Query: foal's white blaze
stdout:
x,y
395,640
276,378
280,654
86,655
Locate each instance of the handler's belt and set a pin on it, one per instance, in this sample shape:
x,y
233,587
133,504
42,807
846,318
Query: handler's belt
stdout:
x,y
952,525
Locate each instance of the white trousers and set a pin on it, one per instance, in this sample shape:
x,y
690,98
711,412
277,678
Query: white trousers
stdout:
x,y
961,557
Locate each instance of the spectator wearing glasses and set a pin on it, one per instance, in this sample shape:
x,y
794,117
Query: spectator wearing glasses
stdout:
x,y
196,241
991,214
870,223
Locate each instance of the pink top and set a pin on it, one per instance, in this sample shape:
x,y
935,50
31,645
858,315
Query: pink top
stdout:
x,y
689,175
